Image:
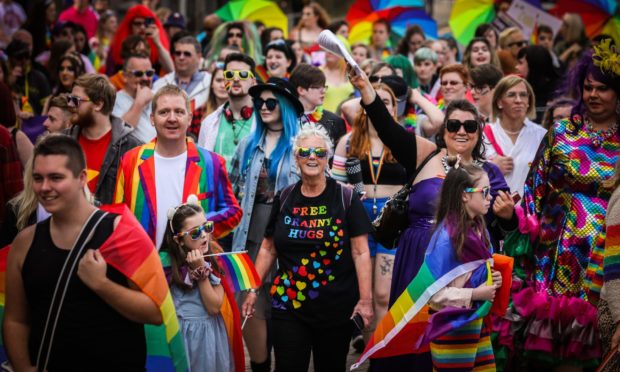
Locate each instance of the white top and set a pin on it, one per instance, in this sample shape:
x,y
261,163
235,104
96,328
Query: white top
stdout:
x,y
145,131
522,151
169,179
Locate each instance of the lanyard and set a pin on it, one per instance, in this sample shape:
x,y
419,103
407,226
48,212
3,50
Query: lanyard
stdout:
x,y
375,172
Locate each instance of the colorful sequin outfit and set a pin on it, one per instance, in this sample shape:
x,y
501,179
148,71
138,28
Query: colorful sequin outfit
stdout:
x,y
564,205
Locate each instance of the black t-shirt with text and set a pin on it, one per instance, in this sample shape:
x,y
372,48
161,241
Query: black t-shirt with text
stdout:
x,y
316,279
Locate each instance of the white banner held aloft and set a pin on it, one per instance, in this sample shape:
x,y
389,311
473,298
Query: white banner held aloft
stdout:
x,y
330,42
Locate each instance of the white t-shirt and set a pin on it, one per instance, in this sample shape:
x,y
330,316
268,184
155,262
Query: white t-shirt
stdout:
x,y
522,151
169,180
12,16
144,130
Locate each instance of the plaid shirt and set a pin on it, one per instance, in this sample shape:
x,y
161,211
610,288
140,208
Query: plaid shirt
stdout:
x,y
11,182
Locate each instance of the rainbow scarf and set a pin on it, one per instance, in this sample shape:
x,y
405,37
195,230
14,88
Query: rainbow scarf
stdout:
x,y
407,327
316,115
240,270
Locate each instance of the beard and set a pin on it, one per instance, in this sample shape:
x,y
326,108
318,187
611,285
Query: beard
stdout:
x,y
85,120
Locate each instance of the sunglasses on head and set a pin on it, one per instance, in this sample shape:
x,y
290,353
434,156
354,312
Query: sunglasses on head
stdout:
x,y
140,73
270,102
305,152
453,125
196,232
241,74
75,101
484,190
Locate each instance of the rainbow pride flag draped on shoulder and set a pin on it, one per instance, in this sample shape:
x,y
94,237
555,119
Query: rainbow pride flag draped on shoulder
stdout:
x,y
130,251
407,327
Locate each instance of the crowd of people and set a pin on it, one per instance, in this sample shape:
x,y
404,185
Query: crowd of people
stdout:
x,y
237,139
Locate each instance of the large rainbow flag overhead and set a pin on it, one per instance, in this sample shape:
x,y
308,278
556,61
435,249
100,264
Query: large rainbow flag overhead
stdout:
x,y
239,270
407,327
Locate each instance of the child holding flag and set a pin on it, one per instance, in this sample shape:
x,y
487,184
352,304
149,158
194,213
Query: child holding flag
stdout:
x,y
198,291
446,303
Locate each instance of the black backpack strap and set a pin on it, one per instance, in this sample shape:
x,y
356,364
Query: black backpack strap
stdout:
x,y
418,169
285,193
346,196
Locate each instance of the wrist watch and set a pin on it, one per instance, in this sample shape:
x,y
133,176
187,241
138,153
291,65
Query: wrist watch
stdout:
x,y
254,290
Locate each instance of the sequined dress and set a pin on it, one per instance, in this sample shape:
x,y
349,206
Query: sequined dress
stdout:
x,y
564,207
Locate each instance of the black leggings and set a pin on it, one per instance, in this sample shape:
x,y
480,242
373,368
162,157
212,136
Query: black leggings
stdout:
x,y
293,341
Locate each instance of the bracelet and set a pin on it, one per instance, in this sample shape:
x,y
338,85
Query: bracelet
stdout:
x,y
254,290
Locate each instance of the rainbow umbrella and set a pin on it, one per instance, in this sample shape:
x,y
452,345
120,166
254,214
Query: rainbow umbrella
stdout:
x,y
362,8
599,16
265,11
399,17
468,14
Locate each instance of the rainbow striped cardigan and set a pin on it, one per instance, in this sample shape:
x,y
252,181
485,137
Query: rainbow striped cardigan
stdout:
x,y
205,176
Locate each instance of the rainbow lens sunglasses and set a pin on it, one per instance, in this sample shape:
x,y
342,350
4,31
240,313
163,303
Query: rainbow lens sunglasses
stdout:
x,y
241,74
305,152
453,125
484,190
196,232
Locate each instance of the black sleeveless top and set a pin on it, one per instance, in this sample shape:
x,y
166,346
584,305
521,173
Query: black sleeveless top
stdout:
x,y
391,173
91,335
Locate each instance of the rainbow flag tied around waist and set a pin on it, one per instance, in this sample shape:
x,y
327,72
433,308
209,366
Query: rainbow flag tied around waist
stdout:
x,y
407,327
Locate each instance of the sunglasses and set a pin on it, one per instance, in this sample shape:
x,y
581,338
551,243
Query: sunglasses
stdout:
x,y
186,54
519,44
75,101
196,232
139,73
270,102
305,152
484,190
451,82
453,125
231,35
241,74
66,68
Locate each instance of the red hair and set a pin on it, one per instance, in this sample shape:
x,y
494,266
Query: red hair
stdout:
x,y
124,30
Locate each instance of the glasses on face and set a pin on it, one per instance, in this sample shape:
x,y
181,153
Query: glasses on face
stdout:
x,y
270,102
454,125
513,95
305,152
196,232
140,73
481,91
241,74
66,68
235,35
520,44
484,190
186,54
451,82
75,101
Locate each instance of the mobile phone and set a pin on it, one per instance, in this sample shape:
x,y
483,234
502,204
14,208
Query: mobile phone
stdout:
x,y
358,321
516,197
149,21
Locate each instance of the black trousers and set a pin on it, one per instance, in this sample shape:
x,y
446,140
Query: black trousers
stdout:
x,y
294,340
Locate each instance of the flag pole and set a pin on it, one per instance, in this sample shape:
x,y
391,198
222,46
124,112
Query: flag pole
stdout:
x,y
223,254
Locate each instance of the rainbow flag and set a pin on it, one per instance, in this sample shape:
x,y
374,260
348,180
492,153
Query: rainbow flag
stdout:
x,y
407,327
239,270
130,251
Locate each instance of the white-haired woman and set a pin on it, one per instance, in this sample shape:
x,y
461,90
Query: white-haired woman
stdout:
x,y
318,231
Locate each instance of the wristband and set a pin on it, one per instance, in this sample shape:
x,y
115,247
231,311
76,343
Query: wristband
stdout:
x,y
253,290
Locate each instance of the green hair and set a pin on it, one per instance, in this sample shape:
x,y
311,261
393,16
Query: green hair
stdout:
x,y
401,62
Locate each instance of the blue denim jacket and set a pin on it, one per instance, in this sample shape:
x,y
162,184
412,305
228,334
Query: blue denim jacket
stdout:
x,y
244,183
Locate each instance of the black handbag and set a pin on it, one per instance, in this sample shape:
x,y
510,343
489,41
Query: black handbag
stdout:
x,y
393,219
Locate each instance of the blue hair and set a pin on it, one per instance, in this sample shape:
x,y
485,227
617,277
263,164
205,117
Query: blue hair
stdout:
x,y
290,127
